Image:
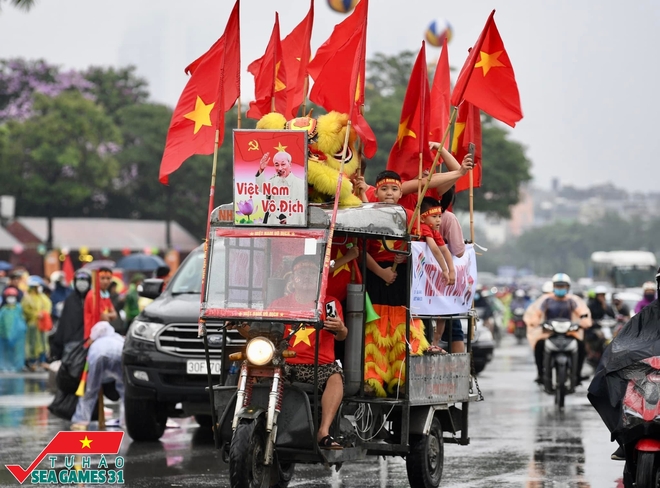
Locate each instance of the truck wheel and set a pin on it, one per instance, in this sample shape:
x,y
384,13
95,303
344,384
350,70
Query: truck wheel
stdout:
x,y
246,455
145,421
204,420
425,461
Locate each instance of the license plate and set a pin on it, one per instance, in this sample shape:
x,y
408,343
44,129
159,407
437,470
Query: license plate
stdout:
x,y
198,366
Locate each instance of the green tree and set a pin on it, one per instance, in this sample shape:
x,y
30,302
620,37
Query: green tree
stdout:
x,y
115,89
59,162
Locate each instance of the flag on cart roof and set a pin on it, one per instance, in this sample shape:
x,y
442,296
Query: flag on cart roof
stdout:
x,y
413,135
466,130
440,96
338,71
296,53
270,81
487,79
212,89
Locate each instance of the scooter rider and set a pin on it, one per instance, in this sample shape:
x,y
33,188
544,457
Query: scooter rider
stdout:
x,y
520,300
560,305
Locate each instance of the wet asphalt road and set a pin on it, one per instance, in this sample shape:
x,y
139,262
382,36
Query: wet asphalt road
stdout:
x,y
518,439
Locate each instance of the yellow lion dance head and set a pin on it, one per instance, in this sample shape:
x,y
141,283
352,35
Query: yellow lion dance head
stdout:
x,y
325,137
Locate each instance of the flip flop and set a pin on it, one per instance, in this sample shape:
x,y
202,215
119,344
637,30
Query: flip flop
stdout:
x,y
328,442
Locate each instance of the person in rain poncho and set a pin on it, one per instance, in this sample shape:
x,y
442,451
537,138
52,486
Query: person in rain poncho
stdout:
x,y
35,306
70,328
12,332
104,364
560,304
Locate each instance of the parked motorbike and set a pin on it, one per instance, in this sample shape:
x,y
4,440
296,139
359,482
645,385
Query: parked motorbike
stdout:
x,y
641,424
560,359
598,338
519,326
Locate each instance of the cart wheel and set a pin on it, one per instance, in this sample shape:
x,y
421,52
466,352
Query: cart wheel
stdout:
x,y
425,461
246,455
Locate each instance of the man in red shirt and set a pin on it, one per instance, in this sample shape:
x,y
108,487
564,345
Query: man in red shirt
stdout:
x,y
303,342
98,306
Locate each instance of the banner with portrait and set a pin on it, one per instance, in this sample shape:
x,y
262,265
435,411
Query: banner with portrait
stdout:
x,y
270,177
430,295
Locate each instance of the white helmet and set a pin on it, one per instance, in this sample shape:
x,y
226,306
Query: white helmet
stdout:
x,y
547,287
600,290
57,277
561,278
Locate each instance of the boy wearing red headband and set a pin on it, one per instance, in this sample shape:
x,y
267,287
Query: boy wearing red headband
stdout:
x,y
98,306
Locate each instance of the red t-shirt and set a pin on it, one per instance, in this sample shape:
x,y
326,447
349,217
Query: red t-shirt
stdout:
x,y
92,314
304,341
427,231
339,278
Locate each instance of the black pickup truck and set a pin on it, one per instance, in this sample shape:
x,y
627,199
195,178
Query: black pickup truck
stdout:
x,y
163,360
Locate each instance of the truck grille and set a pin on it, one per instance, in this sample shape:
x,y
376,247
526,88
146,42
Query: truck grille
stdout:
x,y
181,340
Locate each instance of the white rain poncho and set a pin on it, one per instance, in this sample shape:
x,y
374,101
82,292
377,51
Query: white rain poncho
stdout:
x,y
104,364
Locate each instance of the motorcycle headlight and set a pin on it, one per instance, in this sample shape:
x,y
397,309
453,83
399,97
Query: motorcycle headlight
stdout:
x,y
260,351
145,330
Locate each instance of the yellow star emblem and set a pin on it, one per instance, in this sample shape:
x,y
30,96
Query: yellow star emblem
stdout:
x,y
201,115
303,336
342,267
279,84
86,443
489,61
404,131
358,87
459,127
280,147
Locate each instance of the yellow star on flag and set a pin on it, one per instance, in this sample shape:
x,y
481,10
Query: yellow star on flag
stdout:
x,y
489,61
201,115
404,131
357,89
303,336
279,84
459,127
342,267
86,443
280,147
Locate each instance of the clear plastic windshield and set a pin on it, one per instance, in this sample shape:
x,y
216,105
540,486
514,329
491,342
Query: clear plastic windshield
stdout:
x,y
259,274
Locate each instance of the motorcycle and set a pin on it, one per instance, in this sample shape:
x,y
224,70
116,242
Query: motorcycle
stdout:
x,y
641,424
519,326
598,338
560,359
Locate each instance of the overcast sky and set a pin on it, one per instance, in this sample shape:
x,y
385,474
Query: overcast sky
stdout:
x,y
587,70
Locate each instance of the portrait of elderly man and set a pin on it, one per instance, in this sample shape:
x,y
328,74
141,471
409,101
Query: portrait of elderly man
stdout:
x,y
283,178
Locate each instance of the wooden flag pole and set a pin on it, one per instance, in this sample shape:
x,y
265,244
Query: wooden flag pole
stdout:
x,y
101,410
419,188
238,106
305,90
471,149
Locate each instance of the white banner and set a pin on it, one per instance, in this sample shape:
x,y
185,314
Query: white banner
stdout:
x,y
430,295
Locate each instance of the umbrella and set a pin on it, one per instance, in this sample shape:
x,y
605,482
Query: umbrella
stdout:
x,y
141,262
101,263
5,266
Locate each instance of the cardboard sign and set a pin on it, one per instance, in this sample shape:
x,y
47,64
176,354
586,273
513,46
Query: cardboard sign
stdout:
x,y
270,178
430,295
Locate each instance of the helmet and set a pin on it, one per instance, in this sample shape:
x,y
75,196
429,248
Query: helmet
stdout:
x,y
10,291
520,293
547,287
600,290
561,278
83,274
34,280
57,277
649,285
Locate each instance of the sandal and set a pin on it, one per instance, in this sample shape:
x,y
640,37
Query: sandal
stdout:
x,y
328,442
433,349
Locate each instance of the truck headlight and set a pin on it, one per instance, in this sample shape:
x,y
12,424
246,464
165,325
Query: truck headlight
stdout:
x,y
260,351
145,330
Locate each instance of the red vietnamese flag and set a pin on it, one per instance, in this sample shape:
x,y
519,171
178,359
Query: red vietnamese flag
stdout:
x,y
440,94
211,90
338,70
296,52
67,269
466,130
83,443
412,137
487,79
270,82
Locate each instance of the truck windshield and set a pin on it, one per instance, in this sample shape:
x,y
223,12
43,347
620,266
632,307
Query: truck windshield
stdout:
x,y
264,274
